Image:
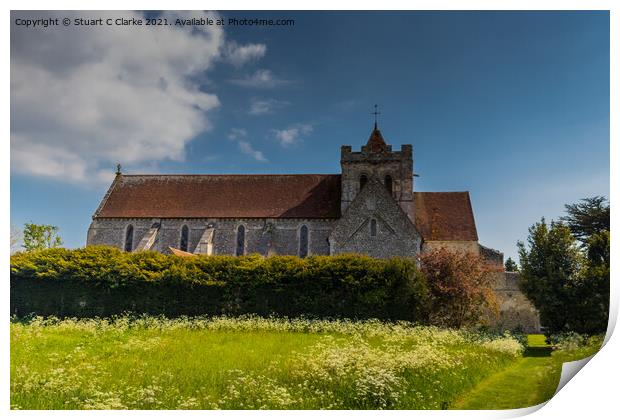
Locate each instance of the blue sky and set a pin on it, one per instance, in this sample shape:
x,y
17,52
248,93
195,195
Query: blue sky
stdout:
x,y
510,106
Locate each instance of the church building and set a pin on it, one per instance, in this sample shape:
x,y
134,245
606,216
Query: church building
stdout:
x,y
370,208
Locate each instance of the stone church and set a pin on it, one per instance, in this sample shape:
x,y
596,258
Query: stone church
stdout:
x,y
369,208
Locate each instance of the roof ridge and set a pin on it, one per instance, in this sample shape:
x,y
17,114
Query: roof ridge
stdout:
x,y
134,175
221,195
440,192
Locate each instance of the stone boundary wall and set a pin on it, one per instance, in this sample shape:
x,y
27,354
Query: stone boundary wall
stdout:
x,y
491,255
515,310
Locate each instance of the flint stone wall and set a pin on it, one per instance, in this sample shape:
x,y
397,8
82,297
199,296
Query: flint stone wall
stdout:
x,y
262,236
395,234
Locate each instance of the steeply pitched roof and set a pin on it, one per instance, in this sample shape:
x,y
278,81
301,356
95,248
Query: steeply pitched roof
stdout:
x,y
223,196
445,216
375,141
439,216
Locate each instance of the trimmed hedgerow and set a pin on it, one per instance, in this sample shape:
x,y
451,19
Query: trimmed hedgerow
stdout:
x,y
103,281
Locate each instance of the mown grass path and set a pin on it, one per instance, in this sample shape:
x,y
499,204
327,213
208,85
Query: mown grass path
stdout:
x,y
529,381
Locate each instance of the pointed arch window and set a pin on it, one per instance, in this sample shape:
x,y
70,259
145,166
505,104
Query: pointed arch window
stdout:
x,y
183,245
373,227
240,241
363,181
303,241
129,238
388,183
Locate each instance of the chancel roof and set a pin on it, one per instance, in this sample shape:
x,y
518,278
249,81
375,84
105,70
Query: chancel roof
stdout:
x,y
445,216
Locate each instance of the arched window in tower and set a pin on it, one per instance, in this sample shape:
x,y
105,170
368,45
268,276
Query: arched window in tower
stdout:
x,y
129,238
388,183
240,241
303,241
373,227
363,181
184,238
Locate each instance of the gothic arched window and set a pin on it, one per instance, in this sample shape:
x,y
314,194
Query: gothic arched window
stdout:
x,y
240,240
129,238
183,245
303,241
388,183
373,227
363,181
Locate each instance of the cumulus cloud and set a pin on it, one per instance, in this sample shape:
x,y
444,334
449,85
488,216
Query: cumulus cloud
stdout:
x,y
292,135
85,98
238,55
239,136
261,79
265,106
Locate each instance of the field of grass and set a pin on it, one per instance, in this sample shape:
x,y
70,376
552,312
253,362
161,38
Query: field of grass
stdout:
x,y
247,363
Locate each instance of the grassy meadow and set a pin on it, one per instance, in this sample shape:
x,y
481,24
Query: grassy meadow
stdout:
x,y
252,363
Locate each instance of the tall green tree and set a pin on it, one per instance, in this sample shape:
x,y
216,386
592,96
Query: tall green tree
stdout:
x,y
589,221
591,291
511,265
565,268
38,237
550,264
588,217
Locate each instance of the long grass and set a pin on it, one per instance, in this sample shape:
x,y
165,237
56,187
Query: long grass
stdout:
x,y
246,363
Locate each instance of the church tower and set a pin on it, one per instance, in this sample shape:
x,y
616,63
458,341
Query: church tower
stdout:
x,y
377,161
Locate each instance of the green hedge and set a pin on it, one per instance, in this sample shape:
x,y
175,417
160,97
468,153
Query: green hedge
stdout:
x,y
103,281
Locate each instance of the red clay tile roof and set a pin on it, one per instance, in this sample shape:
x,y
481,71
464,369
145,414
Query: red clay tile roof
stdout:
x,y
223,196
375,141
439,216
444,216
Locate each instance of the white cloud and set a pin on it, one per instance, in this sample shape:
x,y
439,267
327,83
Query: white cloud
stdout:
x,y
261,79
85,98
292,135
246,148
238,55
239,135
265,106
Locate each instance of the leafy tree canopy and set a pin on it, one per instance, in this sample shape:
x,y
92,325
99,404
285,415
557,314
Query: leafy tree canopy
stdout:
x,y
511,265
460,288
568,281
588,217
549,264
38,237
